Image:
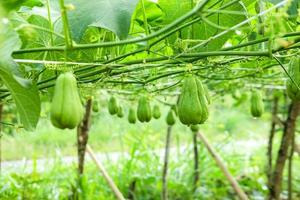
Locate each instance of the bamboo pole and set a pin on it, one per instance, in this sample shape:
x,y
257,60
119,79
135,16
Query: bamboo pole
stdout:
x,y
1,115
164,195
102,170
196,161
241,194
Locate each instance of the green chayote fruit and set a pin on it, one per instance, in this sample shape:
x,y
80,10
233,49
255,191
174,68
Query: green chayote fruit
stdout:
x,y
144,110
170,118
95,106
257,104
294,71
66,108
131,116
156,112
113,107
120,112
192,104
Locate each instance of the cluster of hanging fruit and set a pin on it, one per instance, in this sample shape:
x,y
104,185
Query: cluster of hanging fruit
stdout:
x,y
143,113
192,106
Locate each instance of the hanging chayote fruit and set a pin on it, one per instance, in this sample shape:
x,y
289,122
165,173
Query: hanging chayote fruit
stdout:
x,y
144,110
192,104
66,108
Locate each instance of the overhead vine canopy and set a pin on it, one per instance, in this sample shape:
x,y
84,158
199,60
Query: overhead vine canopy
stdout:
x,y
131,46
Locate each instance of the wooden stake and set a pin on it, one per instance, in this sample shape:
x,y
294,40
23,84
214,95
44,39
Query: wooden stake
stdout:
x,y
241,194
102,170
290,168
83,135
164,195
288,131
1,112
269,167
196,161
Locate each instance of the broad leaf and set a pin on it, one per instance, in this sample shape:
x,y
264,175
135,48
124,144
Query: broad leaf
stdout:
x,y
293,10
9,5
24,94
26,97
9,41
114,15
153,13
174,9
202,30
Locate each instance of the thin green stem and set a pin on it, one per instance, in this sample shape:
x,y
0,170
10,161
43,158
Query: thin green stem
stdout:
x,y
145,18
67,32
50,23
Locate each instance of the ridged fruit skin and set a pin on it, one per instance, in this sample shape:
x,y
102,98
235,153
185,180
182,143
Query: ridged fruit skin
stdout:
x,y
170,118
131,116
294,71
66,108
194,128
207,96
120,112
192,104
257,104
144,110
113,107
156,112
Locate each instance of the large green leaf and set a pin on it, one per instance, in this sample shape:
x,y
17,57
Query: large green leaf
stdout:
x,y
32,38
174,9
293,10
24,94
114,15
202,30
26,97
9,5
9,41
153,13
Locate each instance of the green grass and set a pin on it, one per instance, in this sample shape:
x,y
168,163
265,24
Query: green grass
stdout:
x,y
144,167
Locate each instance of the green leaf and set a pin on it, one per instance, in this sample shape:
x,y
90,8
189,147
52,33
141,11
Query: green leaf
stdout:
x,y
204,31
26,97
16,4
293,9
153,13
32,37
24,94
174,9
114,15
9,41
